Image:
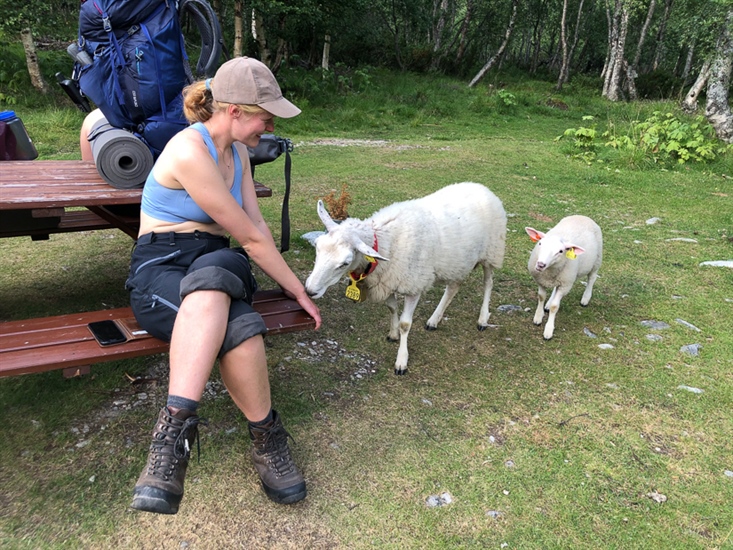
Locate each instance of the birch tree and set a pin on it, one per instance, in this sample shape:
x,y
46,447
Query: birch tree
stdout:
x,y
564,46
507,35
615,69
463,33
689,104
661,33
633,68
31,58
718,110
440,16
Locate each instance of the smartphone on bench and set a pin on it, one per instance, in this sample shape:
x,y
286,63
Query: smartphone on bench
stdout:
x,y
107,333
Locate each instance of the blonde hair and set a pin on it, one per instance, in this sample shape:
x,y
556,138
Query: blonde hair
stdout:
x,y
199,105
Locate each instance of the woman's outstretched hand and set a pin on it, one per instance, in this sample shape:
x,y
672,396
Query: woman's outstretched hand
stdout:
x,y
307,304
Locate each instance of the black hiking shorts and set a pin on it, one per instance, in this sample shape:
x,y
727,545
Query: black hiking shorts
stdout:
x,y
167,267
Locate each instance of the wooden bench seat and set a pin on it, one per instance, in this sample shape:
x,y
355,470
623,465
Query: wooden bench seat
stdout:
x,y
64,341
68,221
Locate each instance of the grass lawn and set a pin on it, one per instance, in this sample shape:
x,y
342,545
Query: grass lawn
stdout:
x,y
607,436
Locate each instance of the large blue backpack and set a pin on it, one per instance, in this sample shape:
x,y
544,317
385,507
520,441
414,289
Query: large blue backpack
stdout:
x,y
132,63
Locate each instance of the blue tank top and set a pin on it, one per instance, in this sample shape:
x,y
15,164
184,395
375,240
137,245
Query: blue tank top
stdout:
x,y
176,205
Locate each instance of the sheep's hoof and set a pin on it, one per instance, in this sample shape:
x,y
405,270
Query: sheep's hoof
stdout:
x,y
390,339
482,328
400,372
547,337
428,327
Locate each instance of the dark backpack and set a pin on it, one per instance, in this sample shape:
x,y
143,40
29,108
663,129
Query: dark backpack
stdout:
x,y
132,64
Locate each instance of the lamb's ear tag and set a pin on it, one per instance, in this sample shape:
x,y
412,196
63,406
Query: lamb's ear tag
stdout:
x,y
352,291
370,259
534,238
571,254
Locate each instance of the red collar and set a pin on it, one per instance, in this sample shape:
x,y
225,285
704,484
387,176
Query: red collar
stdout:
x,y
372,262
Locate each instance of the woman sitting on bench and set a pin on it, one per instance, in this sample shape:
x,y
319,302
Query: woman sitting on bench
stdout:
x,y
187,285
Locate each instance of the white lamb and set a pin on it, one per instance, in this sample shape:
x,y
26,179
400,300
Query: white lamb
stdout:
x,y
404,248
570,250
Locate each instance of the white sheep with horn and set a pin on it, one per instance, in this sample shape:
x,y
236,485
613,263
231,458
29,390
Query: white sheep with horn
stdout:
x,y
404,248
570,250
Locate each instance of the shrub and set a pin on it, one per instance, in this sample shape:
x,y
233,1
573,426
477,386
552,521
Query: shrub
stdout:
x,y
661,138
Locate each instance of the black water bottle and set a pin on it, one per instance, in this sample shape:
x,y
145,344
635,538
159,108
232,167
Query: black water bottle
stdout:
x,y
14,141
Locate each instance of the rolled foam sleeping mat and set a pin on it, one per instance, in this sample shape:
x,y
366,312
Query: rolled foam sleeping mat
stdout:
x,y
122,159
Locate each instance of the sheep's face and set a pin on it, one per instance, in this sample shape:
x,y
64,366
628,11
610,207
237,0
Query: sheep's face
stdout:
x,y
334,258
551,250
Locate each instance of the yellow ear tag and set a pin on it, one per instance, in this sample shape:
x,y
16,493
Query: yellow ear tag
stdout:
x,y
571,254
370,259
352,291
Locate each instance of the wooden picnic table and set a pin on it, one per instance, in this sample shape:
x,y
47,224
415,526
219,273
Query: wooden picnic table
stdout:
x,y
38,198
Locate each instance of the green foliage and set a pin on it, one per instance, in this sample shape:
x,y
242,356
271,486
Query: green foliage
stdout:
x,y
661,138
12,74
321,84
506,99
583,140
664,137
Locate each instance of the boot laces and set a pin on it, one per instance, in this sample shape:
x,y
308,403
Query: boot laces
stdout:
x,y
276,450
164,462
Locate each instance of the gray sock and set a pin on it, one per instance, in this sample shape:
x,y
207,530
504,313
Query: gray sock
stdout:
x,y
178,402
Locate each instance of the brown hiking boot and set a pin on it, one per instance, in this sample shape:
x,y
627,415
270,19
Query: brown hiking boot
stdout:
x,y
159,488
281,480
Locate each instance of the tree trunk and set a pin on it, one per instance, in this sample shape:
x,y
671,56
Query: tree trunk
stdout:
x,y
632,71
536,46
615,70
689,104
238,30
642,35
440,7
258,33
630,80
612,25
281,52
31,60
688,60
659,52
326,52
717,109
464,32
564,45
575,39
498,54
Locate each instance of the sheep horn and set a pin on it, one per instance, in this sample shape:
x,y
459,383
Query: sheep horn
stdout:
x,y
325,217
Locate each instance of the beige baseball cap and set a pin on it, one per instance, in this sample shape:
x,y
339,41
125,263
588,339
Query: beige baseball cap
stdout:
x,y
247,81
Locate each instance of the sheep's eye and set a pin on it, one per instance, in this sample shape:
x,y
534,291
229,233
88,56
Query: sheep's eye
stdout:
x,y
344,264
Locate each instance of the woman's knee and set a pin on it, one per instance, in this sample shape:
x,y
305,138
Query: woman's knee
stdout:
x,y
243,328
89,121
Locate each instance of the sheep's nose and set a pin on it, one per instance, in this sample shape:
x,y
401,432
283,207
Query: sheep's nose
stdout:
x,y
540,266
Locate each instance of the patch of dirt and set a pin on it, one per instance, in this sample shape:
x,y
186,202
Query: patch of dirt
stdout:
x,y
360,143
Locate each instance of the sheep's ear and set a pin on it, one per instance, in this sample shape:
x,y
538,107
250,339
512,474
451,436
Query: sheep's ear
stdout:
x,y
572,250
534,234
368,250
325,217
